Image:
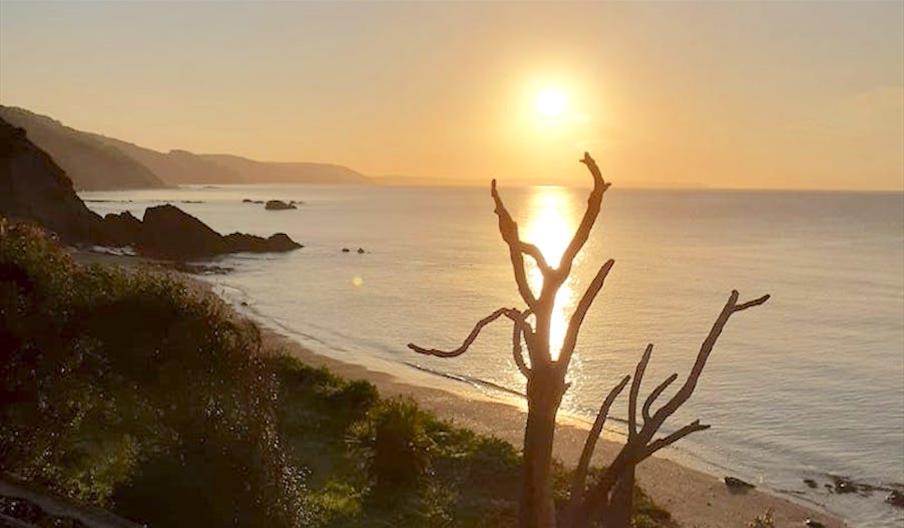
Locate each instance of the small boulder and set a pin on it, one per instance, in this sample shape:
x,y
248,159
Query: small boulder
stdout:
x,y
843,485
737,484
813,523
895,498
244,243
360,251
278,205
810,483
247,200
345,250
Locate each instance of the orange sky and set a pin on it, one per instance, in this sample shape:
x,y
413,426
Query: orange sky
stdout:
x,y
772,95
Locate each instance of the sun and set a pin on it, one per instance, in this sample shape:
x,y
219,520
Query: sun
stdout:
x,y
552,102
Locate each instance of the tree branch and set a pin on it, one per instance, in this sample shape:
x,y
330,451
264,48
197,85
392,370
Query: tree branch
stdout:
x,y
517,352
635,390
579,480
684,393
593,210
659,443
640,446
655,394
468,340
508,228
577,318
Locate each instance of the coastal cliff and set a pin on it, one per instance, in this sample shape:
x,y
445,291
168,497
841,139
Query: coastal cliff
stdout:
x,y
34,188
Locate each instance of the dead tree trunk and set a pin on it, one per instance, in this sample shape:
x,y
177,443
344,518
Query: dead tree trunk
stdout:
x,y
611,495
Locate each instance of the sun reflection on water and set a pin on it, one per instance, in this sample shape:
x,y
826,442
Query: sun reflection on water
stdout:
x,y
550,227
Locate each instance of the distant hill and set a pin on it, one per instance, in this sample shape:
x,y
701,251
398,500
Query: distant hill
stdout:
x,y
176,167
89,163
96,162
286,172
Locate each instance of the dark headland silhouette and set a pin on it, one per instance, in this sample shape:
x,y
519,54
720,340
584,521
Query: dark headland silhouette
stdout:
x,y
97,162
34,188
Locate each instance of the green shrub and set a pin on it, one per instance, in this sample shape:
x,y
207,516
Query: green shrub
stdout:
x,y
391,444
110,380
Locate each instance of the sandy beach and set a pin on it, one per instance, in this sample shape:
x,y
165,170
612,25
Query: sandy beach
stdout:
x,y
695,499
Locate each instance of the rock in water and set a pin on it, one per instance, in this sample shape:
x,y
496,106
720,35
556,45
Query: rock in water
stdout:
x,y
278,205
241,243
170,232
843,485
895,498
738,484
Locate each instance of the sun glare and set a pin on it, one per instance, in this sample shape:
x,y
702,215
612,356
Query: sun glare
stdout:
x,y
550,227
551,102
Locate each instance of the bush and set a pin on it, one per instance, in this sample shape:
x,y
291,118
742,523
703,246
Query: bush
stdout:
x,y
110,380
391,444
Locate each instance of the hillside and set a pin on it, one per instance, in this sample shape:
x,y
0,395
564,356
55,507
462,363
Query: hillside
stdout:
x,y
33,187
287,172
91,164
97,162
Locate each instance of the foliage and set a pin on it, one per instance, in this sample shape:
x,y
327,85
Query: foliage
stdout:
x,y
110,378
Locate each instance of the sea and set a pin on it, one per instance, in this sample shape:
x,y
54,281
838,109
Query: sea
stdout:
x,y
808,386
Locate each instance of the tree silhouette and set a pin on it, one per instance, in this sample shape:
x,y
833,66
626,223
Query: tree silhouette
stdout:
x,y
607,499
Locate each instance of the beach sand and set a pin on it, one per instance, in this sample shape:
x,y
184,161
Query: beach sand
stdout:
x,y
695,499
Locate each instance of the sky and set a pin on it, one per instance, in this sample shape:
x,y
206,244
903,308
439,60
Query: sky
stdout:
x,y
773,95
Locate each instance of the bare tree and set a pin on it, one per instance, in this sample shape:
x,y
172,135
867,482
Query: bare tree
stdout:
x,y
607,499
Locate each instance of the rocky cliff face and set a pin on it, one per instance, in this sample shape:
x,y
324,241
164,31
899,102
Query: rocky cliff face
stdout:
x,y
34,188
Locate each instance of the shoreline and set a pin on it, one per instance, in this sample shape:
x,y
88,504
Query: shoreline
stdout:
x,y
694,498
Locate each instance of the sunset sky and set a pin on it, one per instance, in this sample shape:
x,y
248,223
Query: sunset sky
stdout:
x,y
773,95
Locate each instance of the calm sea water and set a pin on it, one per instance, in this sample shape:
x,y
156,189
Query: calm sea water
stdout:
x,y
808,386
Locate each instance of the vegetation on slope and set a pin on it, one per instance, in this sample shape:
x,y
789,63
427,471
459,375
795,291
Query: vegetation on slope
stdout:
x,y
136,392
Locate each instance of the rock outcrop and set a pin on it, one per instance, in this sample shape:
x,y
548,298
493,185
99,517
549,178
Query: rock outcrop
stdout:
x,y
34,188
169,232
279,205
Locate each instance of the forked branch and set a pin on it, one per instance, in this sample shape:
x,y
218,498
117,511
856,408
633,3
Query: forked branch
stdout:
x,y
640,444
593,210
508,228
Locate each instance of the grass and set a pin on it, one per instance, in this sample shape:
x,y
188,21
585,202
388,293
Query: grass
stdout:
x,y
131,391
